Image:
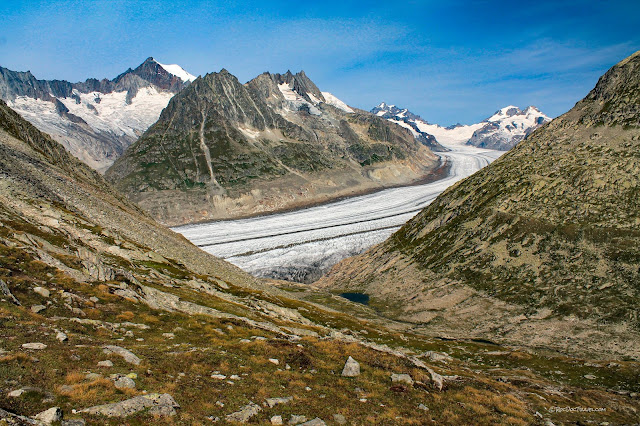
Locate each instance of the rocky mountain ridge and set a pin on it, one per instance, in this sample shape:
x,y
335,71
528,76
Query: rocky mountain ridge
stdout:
x,y
96,120
503,130
224,149
541,246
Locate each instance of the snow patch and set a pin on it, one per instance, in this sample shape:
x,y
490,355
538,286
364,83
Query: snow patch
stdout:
x,y
178,71
114,115
332,100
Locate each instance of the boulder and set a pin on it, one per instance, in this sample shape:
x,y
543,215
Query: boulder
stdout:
x,y
272,402
38,308
402,378
49,416
351,368
42,291
124,353
34,346
315,422
244,414
125,383
340,419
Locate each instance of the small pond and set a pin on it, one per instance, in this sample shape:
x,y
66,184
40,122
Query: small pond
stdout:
x,y
356,297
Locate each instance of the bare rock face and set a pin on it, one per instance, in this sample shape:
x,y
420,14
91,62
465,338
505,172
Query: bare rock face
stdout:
x,y
224,149
541,247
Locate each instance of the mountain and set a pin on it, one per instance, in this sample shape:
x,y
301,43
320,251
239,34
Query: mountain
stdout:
x,y
407,119
108,317
507,127
223,149
541,248
503,130
95,120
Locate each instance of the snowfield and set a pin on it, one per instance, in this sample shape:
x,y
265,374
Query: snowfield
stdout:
x,y
303,244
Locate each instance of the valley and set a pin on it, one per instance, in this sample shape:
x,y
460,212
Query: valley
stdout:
x,y
303,244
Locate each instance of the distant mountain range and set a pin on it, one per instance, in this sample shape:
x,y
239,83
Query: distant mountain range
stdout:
x,y
96,120
225,149
502,131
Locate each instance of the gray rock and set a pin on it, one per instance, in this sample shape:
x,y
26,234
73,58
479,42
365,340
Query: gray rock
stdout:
x,y
34,346
73,422
590,376
124,353
125,383
438,356
423,407
244,414
38,308
276,420
340,419
42,291
4,290
315,422
134,405
272,402
62,336
296,420
16,393
49,416
106,364
162,411
14,419
351,368
93,376
402,378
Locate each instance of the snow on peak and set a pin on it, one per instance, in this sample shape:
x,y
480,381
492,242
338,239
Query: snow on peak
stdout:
x,y
332,100
178,71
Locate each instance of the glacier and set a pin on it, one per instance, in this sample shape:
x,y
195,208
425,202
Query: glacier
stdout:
x,y
302,245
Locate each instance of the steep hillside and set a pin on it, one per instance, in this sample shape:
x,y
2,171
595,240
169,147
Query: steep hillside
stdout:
x,y
542,247
109,318
503,130
95,120
223,149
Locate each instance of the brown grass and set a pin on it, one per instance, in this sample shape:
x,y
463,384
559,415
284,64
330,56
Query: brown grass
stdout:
x,y
20,357
126,316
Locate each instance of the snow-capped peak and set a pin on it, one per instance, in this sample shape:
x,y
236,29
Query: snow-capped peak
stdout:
x,y
502,130
178,71
507,111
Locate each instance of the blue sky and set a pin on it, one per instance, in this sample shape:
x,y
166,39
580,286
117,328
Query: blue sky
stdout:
x,y
449,61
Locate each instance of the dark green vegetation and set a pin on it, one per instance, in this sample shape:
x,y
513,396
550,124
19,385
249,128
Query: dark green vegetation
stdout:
x,y
541,246
222,149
